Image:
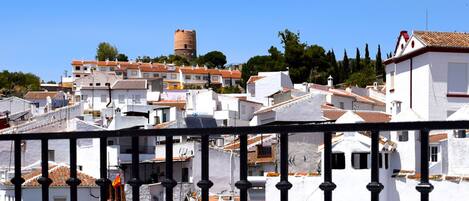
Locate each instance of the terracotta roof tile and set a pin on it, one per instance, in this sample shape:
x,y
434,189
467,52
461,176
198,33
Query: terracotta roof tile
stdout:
x,y
40,94
59,174
443,39
180,104
368,116
253,79
434,138
130,84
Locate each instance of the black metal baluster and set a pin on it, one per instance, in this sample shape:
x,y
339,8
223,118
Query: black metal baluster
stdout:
x,y
103,182
424,187
17,180
73,181
327,186
284,185
44,180
243,184
374,186
169,182
135,181
205,183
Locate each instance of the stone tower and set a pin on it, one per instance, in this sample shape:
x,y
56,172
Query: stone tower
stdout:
x,y
185,44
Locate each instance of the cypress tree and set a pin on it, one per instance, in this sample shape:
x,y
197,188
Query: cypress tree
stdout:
x,y
345,66
357,66
367,55
379,64
335,67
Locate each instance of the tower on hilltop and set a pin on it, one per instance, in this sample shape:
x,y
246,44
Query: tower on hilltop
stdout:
x,y
185,44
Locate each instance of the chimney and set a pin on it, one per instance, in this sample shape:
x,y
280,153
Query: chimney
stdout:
x,y
306,85
330,82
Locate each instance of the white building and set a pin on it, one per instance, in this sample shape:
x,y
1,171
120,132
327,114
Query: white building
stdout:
x,y
428,73
260,87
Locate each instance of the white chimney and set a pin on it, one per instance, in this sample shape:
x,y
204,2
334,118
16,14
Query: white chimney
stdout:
x,y
330,82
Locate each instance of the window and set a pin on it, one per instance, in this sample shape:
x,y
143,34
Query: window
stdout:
x,y
341,105
103,98
84,97
187,77
197,77
215,78
457,78
460,134
91,84
185,175
80,167
174,76
185,46
51,155
121,99
77,75
85,68
60,199
433,154
163,76
98,84
403,136
77,67
110,142
264,151
338,161
391,81
360,160
133,73
227,82
386,160
205,77
137,99
156,75
146,75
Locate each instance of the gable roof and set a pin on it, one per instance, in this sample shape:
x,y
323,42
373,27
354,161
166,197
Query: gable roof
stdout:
x,y
285,103
367,116
40,94
59,174
443,39
130,84
460,114
457,42
254,78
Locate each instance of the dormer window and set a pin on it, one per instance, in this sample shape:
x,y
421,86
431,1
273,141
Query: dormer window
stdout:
x,y
403,136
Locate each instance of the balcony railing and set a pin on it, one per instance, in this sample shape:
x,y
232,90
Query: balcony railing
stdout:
x,y
424,187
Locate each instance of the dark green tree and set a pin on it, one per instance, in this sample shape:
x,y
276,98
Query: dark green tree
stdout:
x,y
357,63
106,51
367,55
346,65
122,57
213,59
379,67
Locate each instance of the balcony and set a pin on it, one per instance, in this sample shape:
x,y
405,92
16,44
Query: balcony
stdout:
x,y
327,185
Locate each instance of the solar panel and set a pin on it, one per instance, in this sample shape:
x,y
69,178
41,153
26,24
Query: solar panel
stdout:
x,y
200,122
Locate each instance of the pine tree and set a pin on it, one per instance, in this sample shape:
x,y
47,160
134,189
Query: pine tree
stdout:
x,y
357,65
345,66
367,55
335,67
379,64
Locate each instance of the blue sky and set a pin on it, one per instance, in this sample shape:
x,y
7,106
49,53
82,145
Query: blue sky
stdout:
x,y
42,37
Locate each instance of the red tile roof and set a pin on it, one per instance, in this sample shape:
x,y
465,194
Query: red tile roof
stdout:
x,y
40,94
180,104
443,39
434,138
59,174
253,79
368,116
158,67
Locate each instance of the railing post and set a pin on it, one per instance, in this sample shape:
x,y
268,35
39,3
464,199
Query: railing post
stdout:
x,y
135,181
169,182
103,182
73,181
17,180
205,182
327,186
374,186
243,184
424,187
284,185
44,180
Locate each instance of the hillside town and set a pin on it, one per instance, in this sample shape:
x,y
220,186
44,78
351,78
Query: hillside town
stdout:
x,y
425,79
